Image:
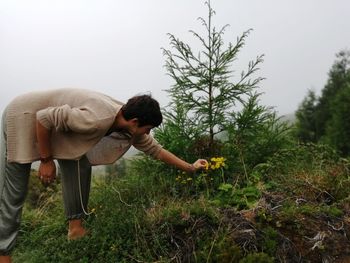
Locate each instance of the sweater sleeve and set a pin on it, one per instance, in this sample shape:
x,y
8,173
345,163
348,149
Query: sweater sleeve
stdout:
x,y
148,145
65,118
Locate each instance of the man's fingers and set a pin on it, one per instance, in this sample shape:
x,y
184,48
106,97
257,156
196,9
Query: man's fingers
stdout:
x,y
46,180
200,164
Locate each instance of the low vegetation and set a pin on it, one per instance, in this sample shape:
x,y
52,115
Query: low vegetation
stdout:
x,y
294,208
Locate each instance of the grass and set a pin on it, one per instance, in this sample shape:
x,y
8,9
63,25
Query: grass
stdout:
x,y
140,218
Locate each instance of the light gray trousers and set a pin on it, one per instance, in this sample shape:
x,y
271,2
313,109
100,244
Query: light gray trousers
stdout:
x,y
14,178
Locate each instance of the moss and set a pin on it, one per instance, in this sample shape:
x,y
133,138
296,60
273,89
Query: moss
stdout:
x,y
270,240
257,257
332,211
217,249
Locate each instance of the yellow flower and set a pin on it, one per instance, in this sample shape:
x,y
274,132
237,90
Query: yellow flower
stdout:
x,y
215,163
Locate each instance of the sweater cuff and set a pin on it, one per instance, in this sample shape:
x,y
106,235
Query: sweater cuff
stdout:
x,y
41,116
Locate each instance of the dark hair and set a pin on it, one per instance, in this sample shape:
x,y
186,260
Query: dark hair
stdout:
x,y
145,109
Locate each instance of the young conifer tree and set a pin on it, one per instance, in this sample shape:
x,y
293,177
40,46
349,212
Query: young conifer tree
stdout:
x,y
203,80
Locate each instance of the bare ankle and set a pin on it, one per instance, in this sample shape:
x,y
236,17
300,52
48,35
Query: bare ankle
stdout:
x,y
75,223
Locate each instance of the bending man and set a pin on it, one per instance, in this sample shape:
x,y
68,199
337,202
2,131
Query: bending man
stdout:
x,y
78,128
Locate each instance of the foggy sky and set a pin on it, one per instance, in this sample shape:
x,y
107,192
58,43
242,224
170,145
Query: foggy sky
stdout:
x,y
115,46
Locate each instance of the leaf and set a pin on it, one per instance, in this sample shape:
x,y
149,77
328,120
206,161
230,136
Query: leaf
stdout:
x,y
225,187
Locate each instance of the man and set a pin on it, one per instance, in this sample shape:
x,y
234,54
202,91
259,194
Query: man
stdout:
x,y
78,128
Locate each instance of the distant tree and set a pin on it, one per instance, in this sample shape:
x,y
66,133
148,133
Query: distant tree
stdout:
x,y
339,77
306,130
203,89
338,129
326,119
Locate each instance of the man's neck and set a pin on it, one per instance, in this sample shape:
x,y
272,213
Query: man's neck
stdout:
x,y
120,124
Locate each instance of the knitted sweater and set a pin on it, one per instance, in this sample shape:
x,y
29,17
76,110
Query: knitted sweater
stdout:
x,y
78,120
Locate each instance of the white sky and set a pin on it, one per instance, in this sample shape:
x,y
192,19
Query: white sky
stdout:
x,y
114,46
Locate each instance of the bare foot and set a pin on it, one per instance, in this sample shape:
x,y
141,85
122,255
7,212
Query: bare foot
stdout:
x,y
76,229
77,233
5,259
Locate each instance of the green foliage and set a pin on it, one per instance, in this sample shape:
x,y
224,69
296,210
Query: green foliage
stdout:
x,y
306,130
241,198
255,133
183,212
331,211
338,127
139,217
204,119
116,232
317,168
222,249
178,132
339,77
203,95
257,257
270,240
208,180
326,119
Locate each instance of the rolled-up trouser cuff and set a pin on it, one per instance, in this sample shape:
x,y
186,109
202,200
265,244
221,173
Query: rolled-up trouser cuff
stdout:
x,y
78,216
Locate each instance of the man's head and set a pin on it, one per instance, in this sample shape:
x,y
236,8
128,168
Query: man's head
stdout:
x,y
143,108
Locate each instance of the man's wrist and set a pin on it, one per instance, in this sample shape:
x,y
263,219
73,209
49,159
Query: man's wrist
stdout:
x,y
191,168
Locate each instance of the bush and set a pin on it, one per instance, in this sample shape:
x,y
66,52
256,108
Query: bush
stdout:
x,y
317,168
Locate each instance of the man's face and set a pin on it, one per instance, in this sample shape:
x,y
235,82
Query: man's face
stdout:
x,y
143,130
136,130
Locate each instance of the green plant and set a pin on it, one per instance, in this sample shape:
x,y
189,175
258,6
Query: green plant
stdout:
x,y
220,249
203,95
257,257
241,198
270,240
255,133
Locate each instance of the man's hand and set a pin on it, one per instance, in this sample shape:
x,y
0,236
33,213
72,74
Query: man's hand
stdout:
x,y
172,159
47,172
200,164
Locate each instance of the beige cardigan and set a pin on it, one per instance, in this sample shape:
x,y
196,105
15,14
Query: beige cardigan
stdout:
x,y
78,119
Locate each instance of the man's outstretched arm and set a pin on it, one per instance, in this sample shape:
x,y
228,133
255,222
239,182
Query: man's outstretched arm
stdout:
x,y
171,159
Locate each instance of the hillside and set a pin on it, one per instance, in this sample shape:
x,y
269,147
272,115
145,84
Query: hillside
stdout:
x,y
295,209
